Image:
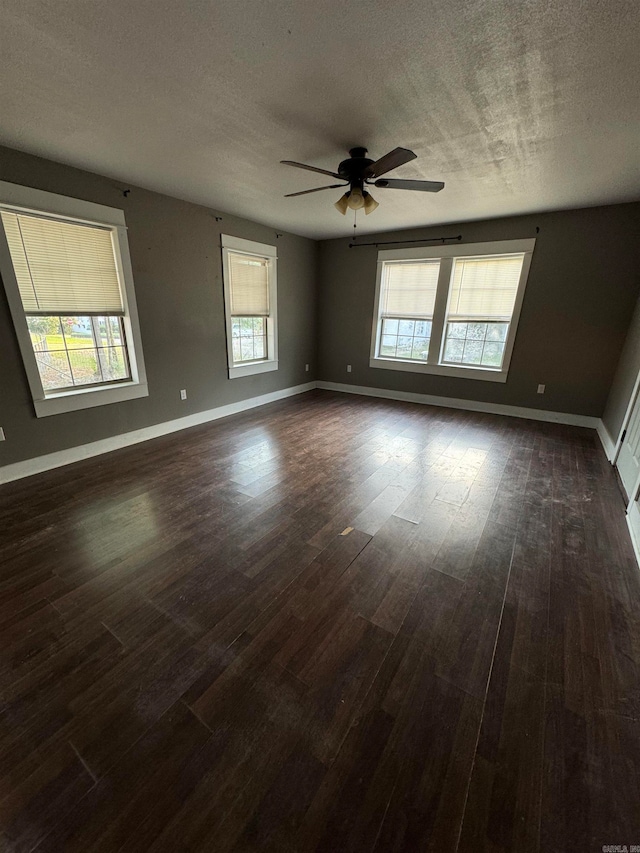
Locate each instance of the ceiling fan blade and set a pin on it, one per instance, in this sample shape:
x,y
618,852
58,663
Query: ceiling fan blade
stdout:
x,y
317,190
422,186
390,161
309,168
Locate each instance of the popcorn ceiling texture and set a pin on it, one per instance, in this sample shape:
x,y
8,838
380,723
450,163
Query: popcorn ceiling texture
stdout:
x,y
518,106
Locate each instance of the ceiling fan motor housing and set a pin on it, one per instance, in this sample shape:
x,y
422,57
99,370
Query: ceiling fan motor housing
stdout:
x,y
352,169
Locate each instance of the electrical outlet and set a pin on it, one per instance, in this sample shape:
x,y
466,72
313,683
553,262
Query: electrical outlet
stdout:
x,y
1,434
183,394
541,389
306,367
348,368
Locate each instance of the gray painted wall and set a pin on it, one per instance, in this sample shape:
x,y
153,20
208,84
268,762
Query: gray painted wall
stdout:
x,y
625,377
176,258
582,289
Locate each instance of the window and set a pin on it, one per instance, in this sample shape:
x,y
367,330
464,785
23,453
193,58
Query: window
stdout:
x,y
73,352
408,299
67,273
249,271
451,310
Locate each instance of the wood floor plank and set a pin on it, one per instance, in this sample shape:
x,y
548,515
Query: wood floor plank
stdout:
x,y
468,647
333,623
53,789
276,819
504,800
127,809
591,790
428,800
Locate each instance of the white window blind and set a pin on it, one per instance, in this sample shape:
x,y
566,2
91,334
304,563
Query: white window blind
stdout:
x,y
409,288
63,267
484,288
249,285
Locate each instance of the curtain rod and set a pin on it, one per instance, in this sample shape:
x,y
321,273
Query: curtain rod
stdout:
x,y
395,242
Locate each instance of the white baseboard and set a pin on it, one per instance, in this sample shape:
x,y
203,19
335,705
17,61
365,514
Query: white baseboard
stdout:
x,y
469,405
605,439
39,464
634,541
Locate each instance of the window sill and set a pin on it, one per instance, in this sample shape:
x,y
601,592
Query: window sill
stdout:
x,y
252,368
481,373
87,398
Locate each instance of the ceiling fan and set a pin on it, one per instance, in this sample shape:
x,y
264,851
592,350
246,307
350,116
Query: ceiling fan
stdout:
x,y
359,171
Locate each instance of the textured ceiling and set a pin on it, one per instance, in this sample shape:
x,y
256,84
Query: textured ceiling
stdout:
x,y
518,105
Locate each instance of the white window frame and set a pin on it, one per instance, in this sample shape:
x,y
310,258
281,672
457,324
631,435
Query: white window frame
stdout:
x,y
269,253
19,199
446,255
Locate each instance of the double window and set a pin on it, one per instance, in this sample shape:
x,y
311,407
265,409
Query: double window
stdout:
x,y
70,291
250,292
450,310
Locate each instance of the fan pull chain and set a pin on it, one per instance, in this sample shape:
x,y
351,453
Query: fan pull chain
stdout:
x,y
355,217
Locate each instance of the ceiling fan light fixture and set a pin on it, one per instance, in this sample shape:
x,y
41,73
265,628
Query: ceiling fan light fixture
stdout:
x,y
342,204
370,204
356,199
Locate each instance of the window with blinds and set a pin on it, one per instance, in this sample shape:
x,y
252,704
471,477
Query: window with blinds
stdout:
x,y
249,291
409,288
249,271
66,271
484,288
249,285
481,301
407,303
449,309
69,286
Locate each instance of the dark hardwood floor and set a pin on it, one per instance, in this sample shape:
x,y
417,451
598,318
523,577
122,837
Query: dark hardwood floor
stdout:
x,y
330,624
